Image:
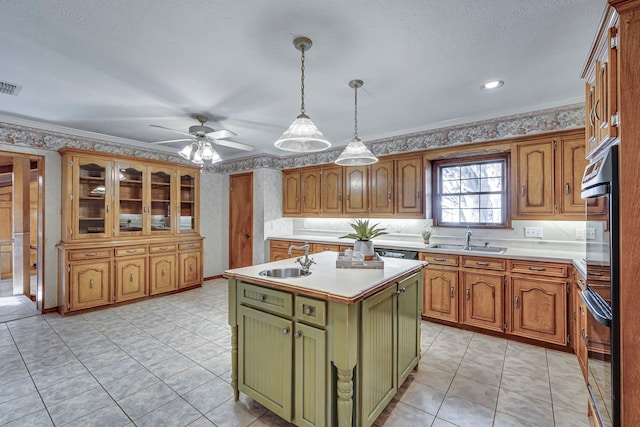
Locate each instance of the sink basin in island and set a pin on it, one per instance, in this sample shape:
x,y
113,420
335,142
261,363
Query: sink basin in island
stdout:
x,y
284,272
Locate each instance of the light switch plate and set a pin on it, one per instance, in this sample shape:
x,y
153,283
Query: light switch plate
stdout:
x,y
533,232
590,233
580,234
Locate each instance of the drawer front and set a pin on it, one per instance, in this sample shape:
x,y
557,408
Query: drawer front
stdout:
x,y
158,249
540,268
311,311
185,246
321,247
439,259
89,254
484,263
280,244
265,298
131,250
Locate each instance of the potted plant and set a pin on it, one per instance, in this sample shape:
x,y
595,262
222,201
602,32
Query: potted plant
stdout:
x,y
426,234
363,233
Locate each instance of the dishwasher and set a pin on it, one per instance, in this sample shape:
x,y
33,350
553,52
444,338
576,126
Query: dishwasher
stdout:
x,y
396,253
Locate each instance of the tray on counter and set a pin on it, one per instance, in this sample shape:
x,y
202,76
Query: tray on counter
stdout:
x,y
376,262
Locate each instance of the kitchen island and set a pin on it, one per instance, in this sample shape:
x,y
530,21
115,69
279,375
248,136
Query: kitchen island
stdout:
x,y
331,348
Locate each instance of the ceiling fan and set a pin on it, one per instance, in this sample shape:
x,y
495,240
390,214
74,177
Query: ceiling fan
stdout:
x,y
202,134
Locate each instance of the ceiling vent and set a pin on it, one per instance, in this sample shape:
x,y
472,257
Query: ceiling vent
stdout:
x,y
10,88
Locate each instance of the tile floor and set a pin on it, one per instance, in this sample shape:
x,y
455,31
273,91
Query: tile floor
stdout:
x,y
166,362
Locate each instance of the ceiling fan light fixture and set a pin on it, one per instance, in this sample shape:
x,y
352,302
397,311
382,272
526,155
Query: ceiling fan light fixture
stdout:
x,y
356,153
303,136
185,153
493,84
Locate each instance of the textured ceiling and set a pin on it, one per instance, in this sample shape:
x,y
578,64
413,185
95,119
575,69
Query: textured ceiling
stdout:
x,y
114,67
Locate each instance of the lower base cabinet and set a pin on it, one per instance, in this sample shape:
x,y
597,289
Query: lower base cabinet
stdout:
x,y
288,348
131,278
482,305
162,274
89,284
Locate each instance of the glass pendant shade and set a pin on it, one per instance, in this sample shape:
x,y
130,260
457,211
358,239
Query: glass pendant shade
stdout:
x,y
302,136
206,151
198,152
356,154
185,153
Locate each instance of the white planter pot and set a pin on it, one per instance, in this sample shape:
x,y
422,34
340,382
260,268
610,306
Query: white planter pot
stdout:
x,y
365,247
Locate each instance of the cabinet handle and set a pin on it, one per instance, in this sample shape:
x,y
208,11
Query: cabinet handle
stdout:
x,y
452,292
417,195
538,268
132,251
440,259
482,263
90,283
163,271
339,197
107,208
164,248
596,273
522,191
91,254
285,331
262,298
582,334
595,111
567,191
396,292
467,294
131,277
580,282
190,268
297,334
389,196
517,302
348,197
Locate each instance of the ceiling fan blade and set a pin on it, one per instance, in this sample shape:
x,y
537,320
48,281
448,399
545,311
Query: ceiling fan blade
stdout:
x,y
232,144
172,130
221,134
172,140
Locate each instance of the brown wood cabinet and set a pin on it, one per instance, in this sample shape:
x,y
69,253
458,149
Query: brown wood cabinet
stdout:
x,y
331,191
381,188
310,191
579,334
291,193
126,224
440,287
356,190
482,303
410,186
538,301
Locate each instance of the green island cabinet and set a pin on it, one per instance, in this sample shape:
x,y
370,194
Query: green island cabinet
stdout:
x,y
326,350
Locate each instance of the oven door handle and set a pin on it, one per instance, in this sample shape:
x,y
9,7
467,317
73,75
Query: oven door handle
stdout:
x,y
597,306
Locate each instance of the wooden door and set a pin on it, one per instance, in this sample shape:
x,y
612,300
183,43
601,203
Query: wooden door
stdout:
x,y
163,276
569,175
534,189
482,304
310,191
381,187
6,228
291,193
131,278
241,220
356,190
331,191
410,186
441,294
538,309
89,284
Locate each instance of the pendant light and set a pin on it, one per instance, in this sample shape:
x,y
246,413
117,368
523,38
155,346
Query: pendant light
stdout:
x,y
302,136
356,153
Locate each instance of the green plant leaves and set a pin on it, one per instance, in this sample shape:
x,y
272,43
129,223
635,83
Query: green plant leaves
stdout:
x,y
362,230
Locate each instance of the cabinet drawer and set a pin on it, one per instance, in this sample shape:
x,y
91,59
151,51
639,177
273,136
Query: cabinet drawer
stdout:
x,y
265,298
280,244
484,263
158,249
89,254
321,247
311,311
185,246
439,259
540,268
131,250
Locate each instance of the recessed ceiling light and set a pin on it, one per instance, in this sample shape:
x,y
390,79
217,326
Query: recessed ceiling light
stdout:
x,y
493,84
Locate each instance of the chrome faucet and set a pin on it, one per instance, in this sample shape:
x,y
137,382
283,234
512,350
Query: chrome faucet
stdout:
x,y
307,261
467,246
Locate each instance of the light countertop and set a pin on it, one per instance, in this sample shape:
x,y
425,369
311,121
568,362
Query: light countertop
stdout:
x,y
326,281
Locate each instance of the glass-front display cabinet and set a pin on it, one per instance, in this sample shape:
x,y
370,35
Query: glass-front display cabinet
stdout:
x,y
92,199
160,204
130,199
188,221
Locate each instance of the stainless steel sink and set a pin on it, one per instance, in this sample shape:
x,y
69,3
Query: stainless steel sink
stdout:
x,y
285,272
488,249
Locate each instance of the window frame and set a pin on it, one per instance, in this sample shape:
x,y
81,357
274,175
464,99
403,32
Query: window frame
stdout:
x,y
470,160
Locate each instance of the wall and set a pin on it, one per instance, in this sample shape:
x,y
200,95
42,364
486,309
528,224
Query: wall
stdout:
x,y
214,222
267,208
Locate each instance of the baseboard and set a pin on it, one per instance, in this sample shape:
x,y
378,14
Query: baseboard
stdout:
x,y
217,276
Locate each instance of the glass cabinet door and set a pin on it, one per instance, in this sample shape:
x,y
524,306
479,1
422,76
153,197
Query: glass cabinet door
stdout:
x,y
130,198
187,220
161,192
91,198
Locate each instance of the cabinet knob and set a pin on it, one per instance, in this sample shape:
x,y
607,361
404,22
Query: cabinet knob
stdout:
x,y
163,272
297,334
403,289
308,310
517,302
452,290
190,268
285,331
262,298
90,283
467,294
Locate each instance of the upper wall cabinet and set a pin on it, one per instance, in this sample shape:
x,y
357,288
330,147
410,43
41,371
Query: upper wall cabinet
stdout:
x,y
392,186
547,174
601,74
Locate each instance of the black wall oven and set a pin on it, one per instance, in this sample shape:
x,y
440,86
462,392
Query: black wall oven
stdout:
x,y
601,296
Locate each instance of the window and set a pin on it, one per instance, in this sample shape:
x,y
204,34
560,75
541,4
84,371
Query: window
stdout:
x,y
471,191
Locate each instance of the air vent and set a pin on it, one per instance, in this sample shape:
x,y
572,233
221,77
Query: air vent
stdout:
x,y
10,88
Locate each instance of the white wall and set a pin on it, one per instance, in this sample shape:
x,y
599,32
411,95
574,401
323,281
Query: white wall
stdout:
x,y
52,215
214,222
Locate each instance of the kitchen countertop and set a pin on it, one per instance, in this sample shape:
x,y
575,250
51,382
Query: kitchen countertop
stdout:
x,y
326,281
546,255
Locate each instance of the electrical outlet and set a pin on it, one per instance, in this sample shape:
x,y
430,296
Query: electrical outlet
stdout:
x,y
305,225
590,233
580,234
533,232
